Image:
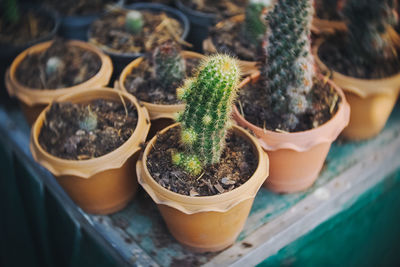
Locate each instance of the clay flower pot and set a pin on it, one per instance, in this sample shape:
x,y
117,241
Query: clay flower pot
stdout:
x,y
99,185
209,223
297,158
160,115
371,100
34,100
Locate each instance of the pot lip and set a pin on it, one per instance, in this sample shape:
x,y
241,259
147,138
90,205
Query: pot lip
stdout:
x,y
303,140
111,160
167,108
44,96
173,12
241,193
359,86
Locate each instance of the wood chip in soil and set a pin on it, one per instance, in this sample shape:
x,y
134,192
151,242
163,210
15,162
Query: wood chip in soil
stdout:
x,y
77,66
254,105
238,163
110,34
142,84
66,134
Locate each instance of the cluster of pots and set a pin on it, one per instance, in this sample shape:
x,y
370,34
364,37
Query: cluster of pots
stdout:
x,y
291,161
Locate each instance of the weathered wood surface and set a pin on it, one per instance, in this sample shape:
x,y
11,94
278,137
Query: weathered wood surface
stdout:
x,y
140,237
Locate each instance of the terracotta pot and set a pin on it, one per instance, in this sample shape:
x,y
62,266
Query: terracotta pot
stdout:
x,y
100,185
327,27
297,158
160,115
32,100
209,223
246,67
371,100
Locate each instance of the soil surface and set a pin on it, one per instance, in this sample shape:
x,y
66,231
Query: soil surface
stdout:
x,y
110,34
142,84
222,8
252,104
79,8
76,65
85,131
228,38
31,26
337,56
325,10
238,163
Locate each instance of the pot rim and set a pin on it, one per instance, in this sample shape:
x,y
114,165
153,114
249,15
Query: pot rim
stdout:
x,y
34,96
302,140
219,203
156,111
87,168
359,86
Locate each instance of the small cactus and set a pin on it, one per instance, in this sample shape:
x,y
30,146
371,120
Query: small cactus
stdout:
x,y
89,121
54,65
169,66
206,117
288,69
134,21
255,24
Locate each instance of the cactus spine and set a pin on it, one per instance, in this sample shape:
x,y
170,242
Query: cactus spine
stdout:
x,y
134,21
206,117
169,66
289,66
254,24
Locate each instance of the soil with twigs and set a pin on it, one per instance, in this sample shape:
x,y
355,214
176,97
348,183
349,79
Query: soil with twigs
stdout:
x,y
85,131
110,34
79,8
74,65
222,8
238,163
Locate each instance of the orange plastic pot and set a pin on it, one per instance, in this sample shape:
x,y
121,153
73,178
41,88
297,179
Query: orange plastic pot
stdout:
x,y
209,223
160,115
371,100
34,100
296,159
100,185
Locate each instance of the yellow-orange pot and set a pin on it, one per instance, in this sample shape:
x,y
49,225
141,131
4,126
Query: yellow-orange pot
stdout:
x,y
100,185
371,100
297,158
209,223
34,100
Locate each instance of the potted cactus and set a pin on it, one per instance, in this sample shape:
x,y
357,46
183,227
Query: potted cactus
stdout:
x,y
364,62
240,35
154,78
295,113
327,19
203,172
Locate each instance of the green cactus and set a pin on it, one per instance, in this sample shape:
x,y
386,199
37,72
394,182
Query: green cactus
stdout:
x,y
88,122
370,30
54,65
134,21
254,24
169,66
288,69
11,11
206,117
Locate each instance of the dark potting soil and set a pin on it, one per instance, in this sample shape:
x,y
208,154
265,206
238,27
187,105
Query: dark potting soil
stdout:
x,y
79,8
252,104
327,9
222,8
85,131
228,38
336,56
76,65
31,26
142,84
236,166
110,34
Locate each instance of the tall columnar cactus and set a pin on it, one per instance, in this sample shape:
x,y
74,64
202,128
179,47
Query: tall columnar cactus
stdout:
x,y
289,66
134,21
255,24
10,10
206,118
169,66
370,29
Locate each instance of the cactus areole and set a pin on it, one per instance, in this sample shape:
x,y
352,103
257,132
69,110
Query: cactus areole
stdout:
x,y
206,118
